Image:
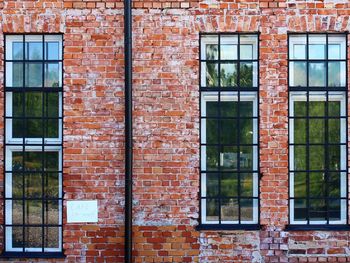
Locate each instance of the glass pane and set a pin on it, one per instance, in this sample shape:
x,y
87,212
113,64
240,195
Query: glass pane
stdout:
x,y
52,50
300,184
317,184
212,51
316,130
334,157
33,237
334,108
17,185
228,74
336,74
246,74
229,184
297,74
17,104
229,209
212,209
51,237
212,157
33,212
300,131
246,158
212,74
317,74
33,161
334,184
334,131
51,161
228,108
52,75
300,210
212,129
17,75
52,104
34,128
317,158
33,185
334,209
317,51
246,109
299,51
334,51
51,129
17,236
212,184
34,51
34,104
228,51
318,210
51,212
34,74
17,50
300,108
246,209
300,158
247,184
211,108
229,158
17,211
317,108
246,51
228,131
51,185
17,161
297,46
246,131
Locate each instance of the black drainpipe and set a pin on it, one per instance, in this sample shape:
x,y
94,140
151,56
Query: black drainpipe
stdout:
x,y
128,128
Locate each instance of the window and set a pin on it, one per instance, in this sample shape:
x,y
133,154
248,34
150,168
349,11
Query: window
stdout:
x,y
33,143
229,130
317,129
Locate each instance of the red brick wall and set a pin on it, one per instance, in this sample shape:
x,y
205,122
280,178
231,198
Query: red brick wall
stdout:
x,y
166,124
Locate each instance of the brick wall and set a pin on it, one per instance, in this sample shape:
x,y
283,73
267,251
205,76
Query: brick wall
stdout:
x,y
166,124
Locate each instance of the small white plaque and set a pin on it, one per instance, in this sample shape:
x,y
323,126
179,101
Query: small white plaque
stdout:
x,y
82,211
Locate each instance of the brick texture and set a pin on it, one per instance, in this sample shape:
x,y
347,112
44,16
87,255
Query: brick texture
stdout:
x,y
166,124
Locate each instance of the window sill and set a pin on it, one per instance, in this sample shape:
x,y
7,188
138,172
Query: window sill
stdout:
x,y
318,227
227,227
32,255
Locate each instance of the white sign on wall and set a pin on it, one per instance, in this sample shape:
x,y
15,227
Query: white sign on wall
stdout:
x,y
82,211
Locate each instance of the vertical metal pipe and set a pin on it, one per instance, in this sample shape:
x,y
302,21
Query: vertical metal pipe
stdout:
x,y
128,128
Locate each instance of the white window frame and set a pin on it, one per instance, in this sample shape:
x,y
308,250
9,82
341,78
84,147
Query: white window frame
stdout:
x,y
230,96
319,96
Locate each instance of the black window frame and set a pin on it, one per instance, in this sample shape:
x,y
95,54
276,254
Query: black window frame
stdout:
x,y
45,147
238,90
310,91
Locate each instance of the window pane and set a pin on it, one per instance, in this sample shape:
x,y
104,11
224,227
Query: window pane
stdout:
x,y
229,108
34,74
334,185
229,185
300,209
299,51
317,184
17,50
246,131
300,158
212,51
300,181
300,108
33,237
52,185
17,75
317,157
51,237
334,131
300,129
34,104
228,51
334,157
247,209
336,74
34,51
246,51
51,212
317,74
212,74
228,131
33,212
297,46
316,130
17,211
297,74
53,75
52,99
229,158
212,184
34,128
17,236
212,126
247,184
246,75
334,51
317,51
228,74
52,51
229,209
246,158
33,185
246,109
317,108
17,185
334,209
212,109
212,157
318,210
212,209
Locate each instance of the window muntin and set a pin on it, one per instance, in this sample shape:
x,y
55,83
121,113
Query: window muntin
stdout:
x,y
33,138
318,130
229,129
